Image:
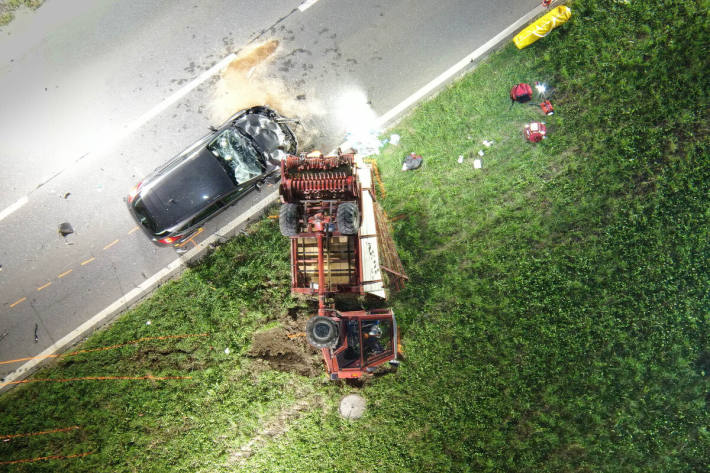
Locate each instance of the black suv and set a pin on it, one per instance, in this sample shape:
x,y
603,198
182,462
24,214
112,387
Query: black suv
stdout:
x,y
173,201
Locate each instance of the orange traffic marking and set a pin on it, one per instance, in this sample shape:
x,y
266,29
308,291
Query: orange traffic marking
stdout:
x,y
111,244
18,301
200,230
95,378
88,261
130,342
65,273
42,287
133,229
52,457
65,429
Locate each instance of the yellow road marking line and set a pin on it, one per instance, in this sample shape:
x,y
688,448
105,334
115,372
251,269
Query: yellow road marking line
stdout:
x,y
133,229
65,273
88,261
111,244
18,301
46,285
190,240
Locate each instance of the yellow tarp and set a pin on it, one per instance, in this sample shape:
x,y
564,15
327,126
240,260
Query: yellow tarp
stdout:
x,y
542,26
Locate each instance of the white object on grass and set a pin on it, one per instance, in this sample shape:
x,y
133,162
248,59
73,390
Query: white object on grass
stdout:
x,y
352,406
477,164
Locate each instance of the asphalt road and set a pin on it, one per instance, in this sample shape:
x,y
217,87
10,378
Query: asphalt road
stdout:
x,y
97,93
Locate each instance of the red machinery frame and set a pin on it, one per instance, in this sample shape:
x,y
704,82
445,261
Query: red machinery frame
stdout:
x,y
319,185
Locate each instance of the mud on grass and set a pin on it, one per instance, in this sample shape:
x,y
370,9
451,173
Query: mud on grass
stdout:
x,y
284,348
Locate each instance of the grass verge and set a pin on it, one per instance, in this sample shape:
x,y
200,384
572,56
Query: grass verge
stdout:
x,y
557,313
9,7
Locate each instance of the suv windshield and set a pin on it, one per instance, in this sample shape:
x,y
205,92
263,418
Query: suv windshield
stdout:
x,y
237,153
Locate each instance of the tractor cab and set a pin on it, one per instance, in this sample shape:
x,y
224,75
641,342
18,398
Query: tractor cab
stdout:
x,y
354,343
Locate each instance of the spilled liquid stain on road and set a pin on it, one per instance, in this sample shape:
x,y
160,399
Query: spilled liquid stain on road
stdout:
x,y
247,82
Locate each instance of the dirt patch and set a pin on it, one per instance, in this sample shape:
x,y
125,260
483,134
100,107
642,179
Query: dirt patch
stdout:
x,y
284,351
247,82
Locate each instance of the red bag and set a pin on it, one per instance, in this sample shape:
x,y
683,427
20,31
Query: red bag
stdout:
x,y
521,93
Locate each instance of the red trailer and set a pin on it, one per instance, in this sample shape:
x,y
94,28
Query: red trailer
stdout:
x,y
330,213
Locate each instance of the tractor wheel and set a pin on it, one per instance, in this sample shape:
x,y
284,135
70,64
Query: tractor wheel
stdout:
x,y
348,218
322,332
288,219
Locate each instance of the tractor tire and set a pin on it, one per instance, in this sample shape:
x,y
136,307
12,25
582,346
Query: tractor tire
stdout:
x,y
348,218
288,220
322,332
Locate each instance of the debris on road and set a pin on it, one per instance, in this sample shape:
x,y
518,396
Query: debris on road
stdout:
x,y
36,335
66,196
65,229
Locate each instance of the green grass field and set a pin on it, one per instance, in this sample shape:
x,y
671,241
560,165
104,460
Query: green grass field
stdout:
x,y
557,313
8,8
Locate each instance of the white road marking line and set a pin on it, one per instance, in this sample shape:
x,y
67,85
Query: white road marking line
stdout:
x,y
146,286
14,207
306,5
179,94
111,139
446,75
137,293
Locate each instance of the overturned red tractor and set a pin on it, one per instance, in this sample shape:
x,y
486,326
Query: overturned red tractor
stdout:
x,y
337,233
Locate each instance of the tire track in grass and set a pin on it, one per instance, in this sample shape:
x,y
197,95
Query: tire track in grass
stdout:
x,y
274,428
